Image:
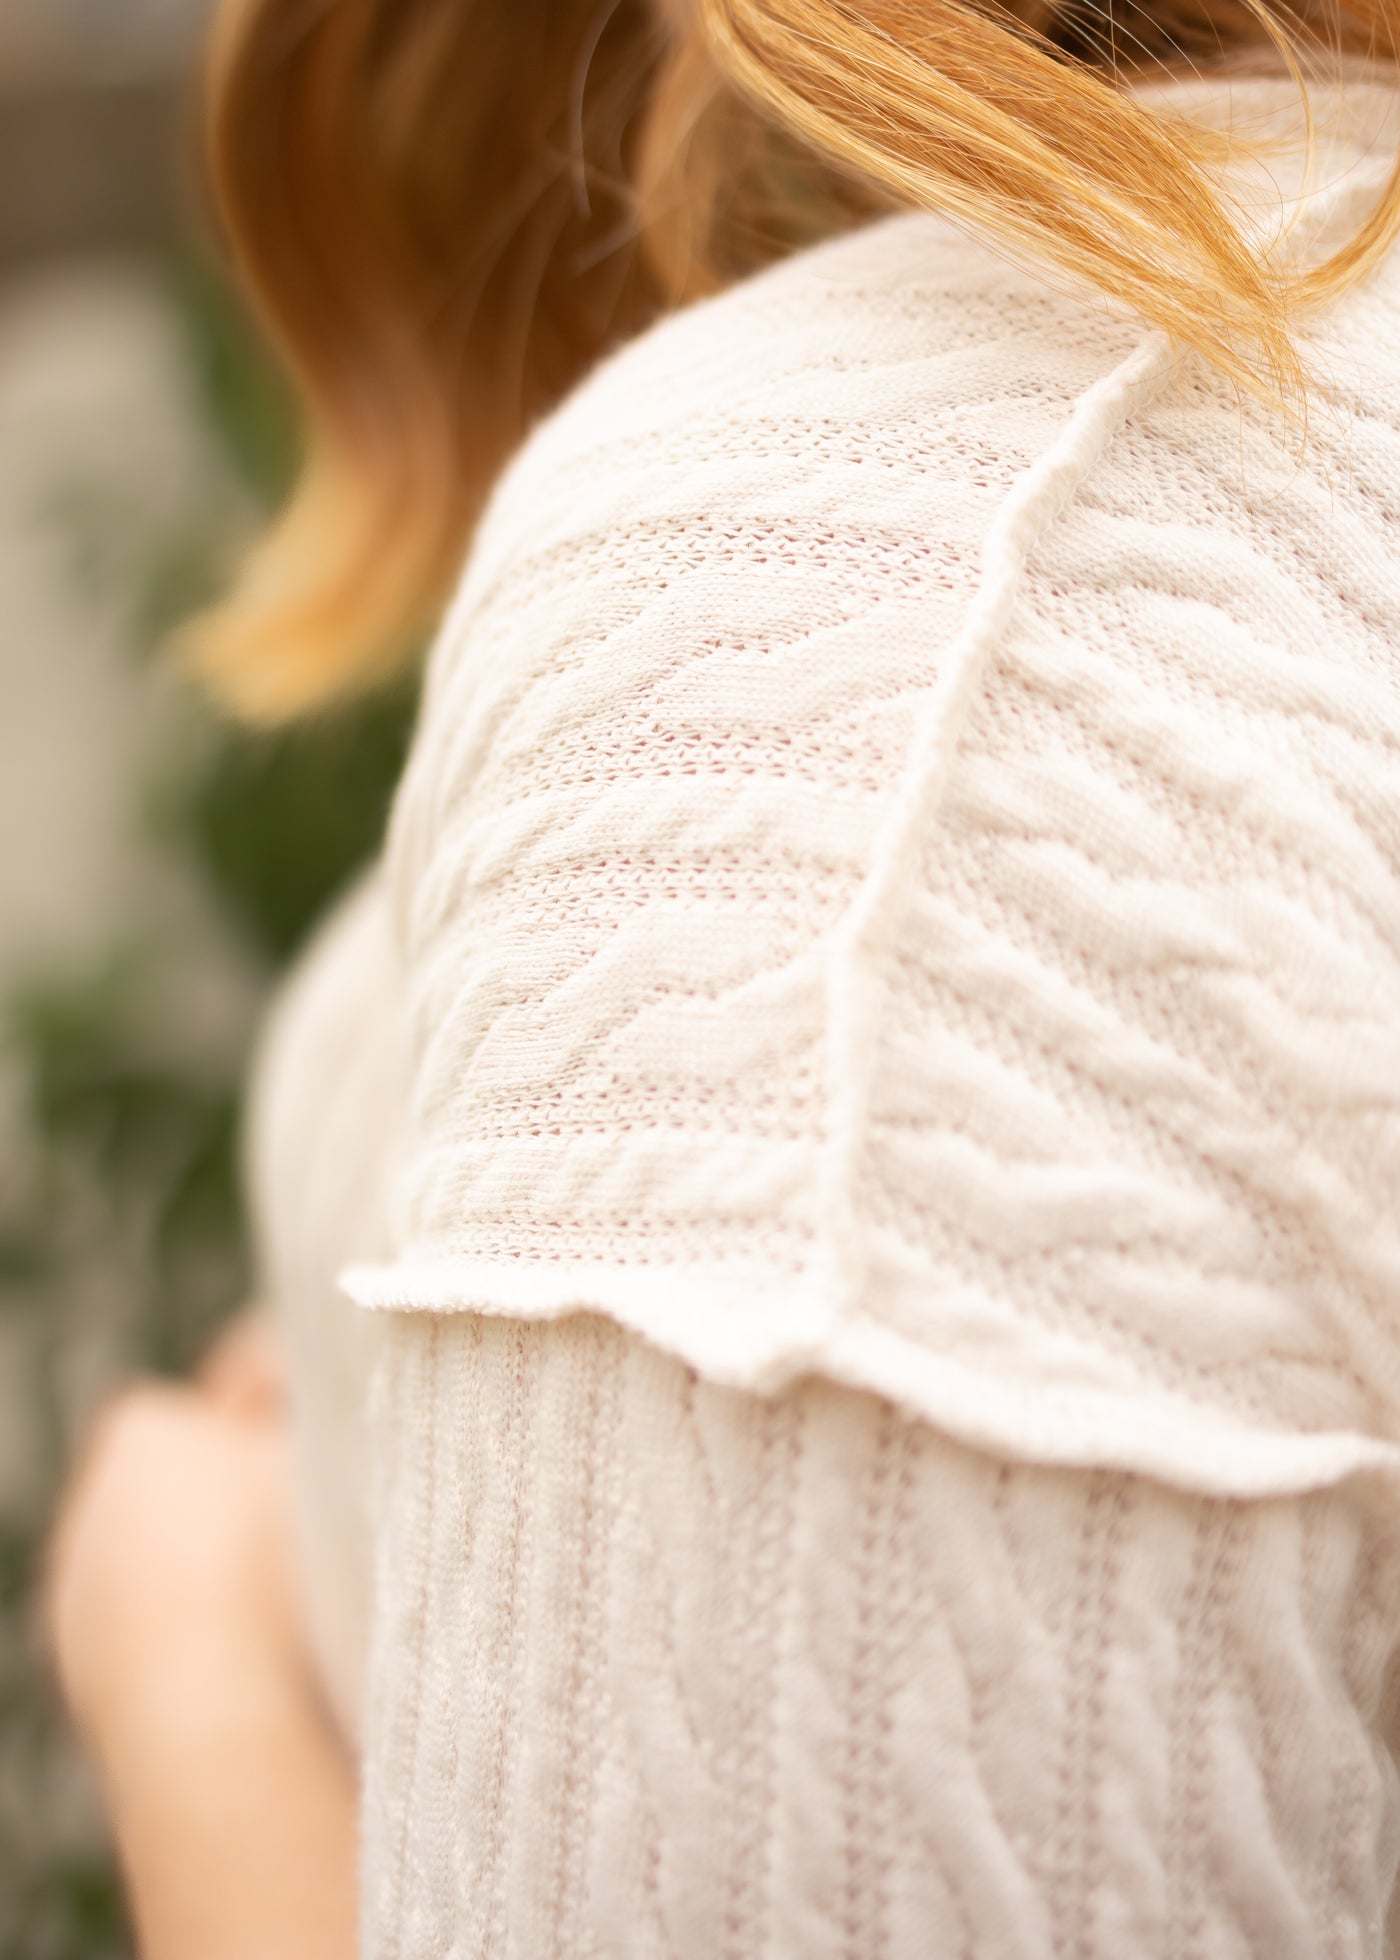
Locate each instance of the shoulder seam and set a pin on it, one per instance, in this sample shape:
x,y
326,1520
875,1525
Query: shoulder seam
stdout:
x,y
1023,518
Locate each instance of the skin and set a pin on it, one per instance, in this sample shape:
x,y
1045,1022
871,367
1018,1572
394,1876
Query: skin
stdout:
x,y
173,1624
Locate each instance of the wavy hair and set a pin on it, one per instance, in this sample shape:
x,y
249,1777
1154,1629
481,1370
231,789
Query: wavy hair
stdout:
x,y
446,210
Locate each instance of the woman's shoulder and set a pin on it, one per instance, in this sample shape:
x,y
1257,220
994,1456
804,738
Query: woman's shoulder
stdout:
x,y
770,509
802,490
832,435
962,311
896,877
893,375
861,343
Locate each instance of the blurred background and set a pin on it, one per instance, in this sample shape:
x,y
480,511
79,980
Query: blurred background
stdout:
x,y
157,867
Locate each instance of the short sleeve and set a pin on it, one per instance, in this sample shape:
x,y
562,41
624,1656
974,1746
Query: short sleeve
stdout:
x,y
1072,1125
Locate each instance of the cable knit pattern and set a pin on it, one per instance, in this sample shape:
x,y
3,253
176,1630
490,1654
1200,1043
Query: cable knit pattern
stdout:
x,y
870,1077
669,1669
899,872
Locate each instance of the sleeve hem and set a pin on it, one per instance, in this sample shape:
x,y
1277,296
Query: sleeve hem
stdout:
x,y
753,1332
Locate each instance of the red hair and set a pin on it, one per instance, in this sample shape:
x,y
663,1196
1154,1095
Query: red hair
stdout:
x,y
446,209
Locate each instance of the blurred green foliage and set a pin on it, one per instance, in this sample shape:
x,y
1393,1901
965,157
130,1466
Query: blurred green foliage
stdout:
x,y
134,1166
243,394
154,1143
278,820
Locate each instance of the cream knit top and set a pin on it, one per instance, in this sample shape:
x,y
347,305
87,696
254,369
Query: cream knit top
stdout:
x,y
868,1081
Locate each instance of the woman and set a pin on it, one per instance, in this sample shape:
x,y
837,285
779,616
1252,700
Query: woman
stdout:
x,y
860,1111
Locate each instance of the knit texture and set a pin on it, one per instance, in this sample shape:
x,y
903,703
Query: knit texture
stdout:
x,y
669,1669
325,1095
869,1075
899,872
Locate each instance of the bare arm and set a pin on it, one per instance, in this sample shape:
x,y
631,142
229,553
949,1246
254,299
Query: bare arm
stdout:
x,y
174,1630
